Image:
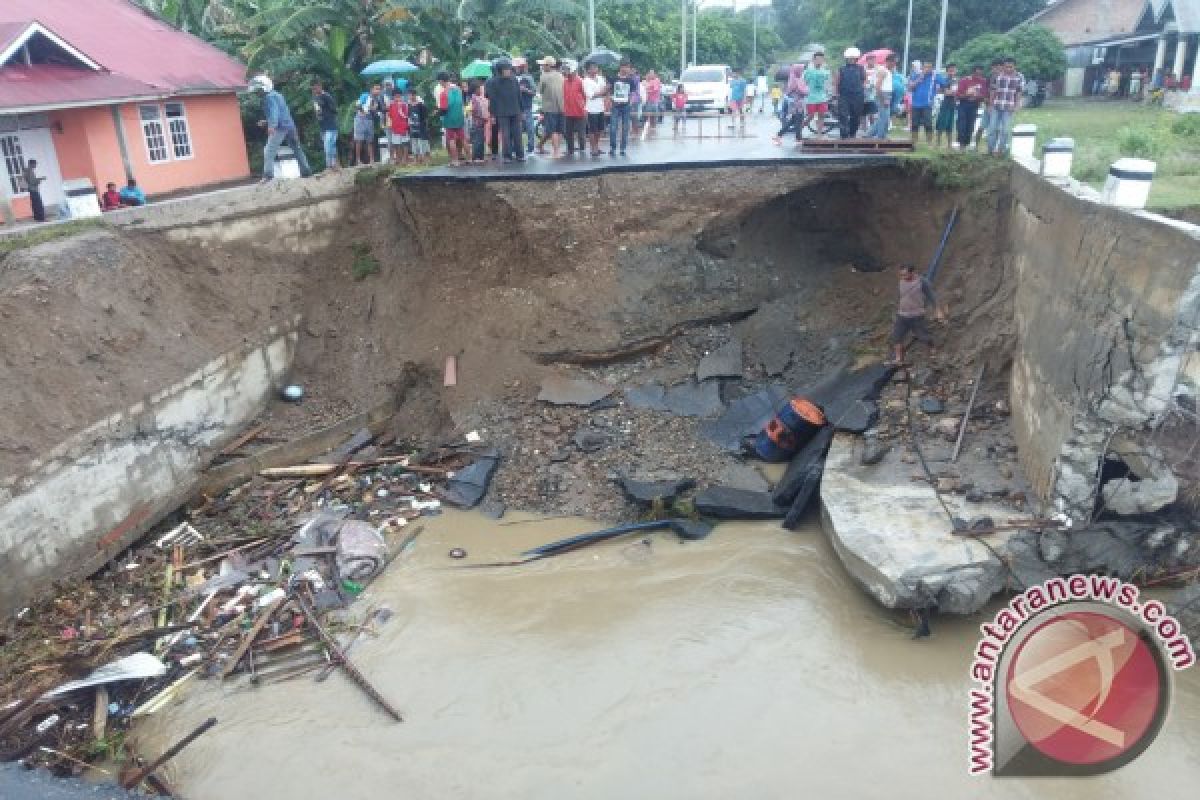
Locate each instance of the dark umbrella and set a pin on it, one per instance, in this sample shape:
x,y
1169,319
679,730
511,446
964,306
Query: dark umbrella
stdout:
x,y
603,57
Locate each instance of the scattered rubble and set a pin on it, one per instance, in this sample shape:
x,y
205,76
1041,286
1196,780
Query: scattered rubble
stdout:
x,y
257,582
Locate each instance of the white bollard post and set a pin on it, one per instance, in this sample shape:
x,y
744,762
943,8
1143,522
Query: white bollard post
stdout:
x,y
1023,139
1128,184
286,165
1057,155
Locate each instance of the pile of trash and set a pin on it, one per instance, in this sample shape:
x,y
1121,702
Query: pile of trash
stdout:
x,y
251,582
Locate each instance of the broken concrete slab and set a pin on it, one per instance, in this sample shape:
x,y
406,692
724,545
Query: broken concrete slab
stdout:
x,y
648,492
849,397
896,540
685,399
744,476
591,440
470,484
745,416
724,362
559,390
723,502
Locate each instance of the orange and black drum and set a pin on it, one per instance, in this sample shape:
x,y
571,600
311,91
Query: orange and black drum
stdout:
x,y
789,430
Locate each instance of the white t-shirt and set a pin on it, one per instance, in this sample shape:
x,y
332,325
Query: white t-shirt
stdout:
x,y
884,74
595,102
761,84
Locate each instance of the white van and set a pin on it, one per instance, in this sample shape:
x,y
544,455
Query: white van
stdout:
x,y
707,87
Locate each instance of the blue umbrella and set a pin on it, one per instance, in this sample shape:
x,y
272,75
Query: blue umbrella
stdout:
x,y
389,66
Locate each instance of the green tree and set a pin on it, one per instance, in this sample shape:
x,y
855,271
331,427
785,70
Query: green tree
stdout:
x,y
1037,50
794,21
870,24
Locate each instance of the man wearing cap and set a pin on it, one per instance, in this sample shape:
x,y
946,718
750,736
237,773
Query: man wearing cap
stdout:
x,y
574,109
504,92
280,128
550,87
848,83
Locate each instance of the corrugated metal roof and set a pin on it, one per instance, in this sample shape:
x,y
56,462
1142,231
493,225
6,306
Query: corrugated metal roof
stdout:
x,y
44,86
127,41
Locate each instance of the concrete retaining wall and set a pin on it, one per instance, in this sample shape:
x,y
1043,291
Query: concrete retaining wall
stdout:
x,y
96,493
1107,307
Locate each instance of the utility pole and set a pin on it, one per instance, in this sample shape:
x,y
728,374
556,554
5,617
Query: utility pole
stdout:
x,y
907,38
682,37
592,24
754,40
937,68
695,16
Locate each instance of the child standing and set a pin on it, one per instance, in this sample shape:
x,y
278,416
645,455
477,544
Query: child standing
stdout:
x,y
480,122
679,104
418,127
398,124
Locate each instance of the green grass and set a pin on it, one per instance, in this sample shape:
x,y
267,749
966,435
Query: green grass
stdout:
x,y
365,263
1107,130
380,172
47,233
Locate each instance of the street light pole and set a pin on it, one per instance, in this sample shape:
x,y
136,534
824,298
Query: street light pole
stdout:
x,y
941,38
907,37
695,16
682,37
592,24
754,41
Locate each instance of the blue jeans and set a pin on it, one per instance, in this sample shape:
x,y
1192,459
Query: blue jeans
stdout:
x,y
998,131
329,139
620,119
883,120
530,129
274,142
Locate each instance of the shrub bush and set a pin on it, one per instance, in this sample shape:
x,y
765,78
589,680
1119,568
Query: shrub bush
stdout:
x,y
1140,142
1186,125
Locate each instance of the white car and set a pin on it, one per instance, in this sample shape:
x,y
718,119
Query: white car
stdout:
x,y
707,87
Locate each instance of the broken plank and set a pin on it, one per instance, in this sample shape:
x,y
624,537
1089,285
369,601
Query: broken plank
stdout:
x,y
250,636
244,439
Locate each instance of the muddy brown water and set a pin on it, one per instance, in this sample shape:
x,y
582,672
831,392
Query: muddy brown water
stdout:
x,y
746,665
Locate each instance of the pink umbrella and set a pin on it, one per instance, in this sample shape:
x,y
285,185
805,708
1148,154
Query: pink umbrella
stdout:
x,y
879,54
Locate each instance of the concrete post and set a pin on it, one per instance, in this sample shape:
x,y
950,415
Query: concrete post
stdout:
x,y
1180,56
1196,70
1160,57
1128,183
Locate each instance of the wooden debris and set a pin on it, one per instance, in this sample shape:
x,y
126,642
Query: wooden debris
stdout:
x,y
248,639
140,775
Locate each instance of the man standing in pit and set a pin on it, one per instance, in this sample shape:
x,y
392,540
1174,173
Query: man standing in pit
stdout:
x,y
915,299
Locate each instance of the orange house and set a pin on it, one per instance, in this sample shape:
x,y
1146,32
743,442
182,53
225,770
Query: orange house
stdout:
x,y
105,91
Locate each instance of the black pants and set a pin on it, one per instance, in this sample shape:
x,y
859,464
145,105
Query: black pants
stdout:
x,y
510,136
576,127
792,124
39,210
850,110
968,110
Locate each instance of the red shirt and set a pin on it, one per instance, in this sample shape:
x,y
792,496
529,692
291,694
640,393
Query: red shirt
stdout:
x,y
111,200
573,99
966,84
398,113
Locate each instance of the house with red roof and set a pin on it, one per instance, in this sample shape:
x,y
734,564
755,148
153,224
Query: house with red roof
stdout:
x,y
103,90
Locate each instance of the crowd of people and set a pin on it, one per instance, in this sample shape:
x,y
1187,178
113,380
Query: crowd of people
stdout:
x,y
581,110
1137,83
865,93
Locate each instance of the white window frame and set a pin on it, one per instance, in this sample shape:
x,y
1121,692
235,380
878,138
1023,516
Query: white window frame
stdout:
x,y
144,124
15,180
183,128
